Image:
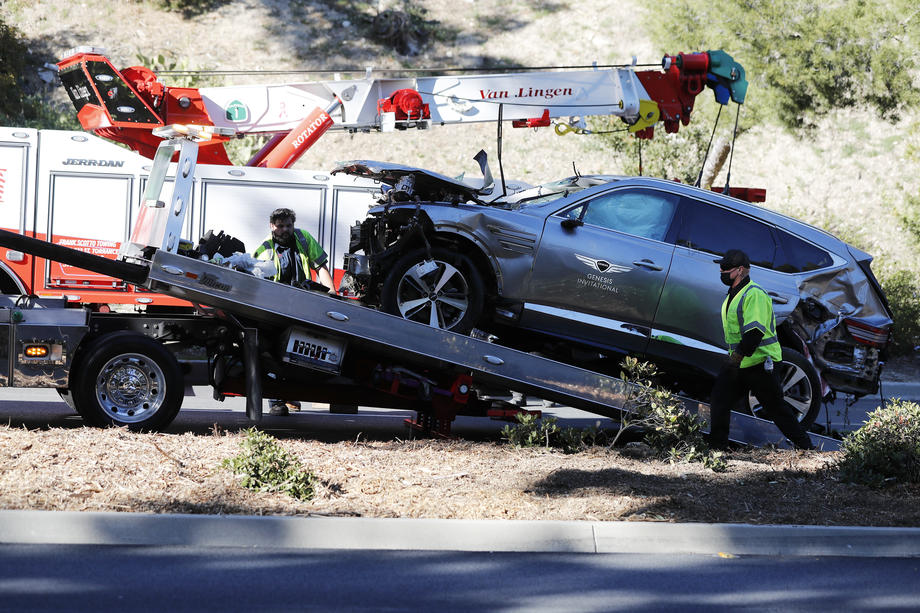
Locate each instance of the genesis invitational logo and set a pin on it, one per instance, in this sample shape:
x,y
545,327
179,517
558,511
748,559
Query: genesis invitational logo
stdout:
x,y
601,266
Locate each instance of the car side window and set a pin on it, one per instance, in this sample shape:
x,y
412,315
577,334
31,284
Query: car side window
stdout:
x,y
710,228
795,255
640,212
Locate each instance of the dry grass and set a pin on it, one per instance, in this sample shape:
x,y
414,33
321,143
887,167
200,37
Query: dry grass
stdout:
x,y
116,470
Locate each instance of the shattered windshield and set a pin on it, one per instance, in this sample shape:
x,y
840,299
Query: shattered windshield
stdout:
x,y
558,189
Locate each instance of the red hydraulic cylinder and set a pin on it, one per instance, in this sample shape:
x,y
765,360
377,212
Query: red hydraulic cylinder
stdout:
x,y
289,149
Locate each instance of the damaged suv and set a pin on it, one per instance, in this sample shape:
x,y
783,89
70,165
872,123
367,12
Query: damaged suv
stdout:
x,y
592,267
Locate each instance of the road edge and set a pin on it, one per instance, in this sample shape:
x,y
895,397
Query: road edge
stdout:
x,y
110,528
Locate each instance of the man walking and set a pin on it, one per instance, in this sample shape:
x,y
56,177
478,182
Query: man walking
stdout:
x,y
295,252
753,348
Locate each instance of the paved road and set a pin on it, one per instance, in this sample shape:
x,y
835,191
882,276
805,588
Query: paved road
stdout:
x,y
122,561
116,579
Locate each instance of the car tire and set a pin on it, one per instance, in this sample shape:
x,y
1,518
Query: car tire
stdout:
x,y
127,379
445,291
801,387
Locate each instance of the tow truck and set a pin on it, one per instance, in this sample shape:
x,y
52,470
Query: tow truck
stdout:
x,y
265,338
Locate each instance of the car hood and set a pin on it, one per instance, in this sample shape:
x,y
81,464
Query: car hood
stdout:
x,y
427,183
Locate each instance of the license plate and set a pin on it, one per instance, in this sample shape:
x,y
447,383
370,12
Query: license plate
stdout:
x,y
315,351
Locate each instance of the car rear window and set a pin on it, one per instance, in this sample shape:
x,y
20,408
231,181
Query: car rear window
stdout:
x,y
795,255
710,228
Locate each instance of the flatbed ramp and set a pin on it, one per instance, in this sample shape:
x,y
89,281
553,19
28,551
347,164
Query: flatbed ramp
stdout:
x,y
391,338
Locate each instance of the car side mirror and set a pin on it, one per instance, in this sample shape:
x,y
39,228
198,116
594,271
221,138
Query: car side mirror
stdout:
x,y
571,224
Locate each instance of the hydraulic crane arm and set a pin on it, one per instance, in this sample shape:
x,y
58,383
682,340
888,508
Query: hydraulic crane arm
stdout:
x,y
127,105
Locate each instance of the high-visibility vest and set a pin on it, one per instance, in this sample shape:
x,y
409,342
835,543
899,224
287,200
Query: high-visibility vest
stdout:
x,y
751,309
309,251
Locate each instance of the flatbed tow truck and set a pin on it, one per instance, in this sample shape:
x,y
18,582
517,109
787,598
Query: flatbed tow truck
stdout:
x,y
263,338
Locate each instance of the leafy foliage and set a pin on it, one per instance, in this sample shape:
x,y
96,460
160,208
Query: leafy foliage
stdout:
x,y
805,58
21,104
670,430
532,431
18,105
902,288
886,449
266,466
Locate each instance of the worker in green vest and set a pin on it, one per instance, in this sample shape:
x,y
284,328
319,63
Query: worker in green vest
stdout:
x,y
295,252
753,349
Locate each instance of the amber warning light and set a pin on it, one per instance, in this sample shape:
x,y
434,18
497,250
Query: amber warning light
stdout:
x,y
36,351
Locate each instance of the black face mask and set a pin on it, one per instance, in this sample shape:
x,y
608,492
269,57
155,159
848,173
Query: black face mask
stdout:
x,y
726,278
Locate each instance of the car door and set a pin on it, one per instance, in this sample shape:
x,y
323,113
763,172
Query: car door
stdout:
x,y
688,325
600,268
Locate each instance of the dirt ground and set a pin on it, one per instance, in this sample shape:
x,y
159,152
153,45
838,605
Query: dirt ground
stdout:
x,y
86,469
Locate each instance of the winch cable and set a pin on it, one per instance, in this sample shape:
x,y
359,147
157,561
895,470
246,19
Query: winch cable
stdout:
x,y
731,153
699,177
639,147
435,70
501,168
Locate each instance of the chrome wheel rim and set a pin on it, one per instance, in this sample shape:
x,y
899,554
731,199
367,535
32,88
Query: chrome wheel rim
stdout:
x,y
797,390
130,388
433,292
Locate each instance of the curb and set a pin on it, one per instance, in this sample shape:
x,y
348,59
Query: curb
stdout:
x,y
102,528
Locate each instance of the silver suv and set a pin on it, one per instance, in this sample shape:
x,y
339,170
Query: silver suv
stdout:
x,y
589,268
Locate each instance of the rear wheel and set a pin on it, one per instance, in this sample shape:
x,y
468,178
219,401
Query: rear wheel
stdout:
x,y
445,291
126,379
801,387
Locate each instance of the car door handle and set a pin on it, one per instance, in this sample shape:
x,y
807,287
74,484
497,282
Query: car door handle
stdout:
x,y
647,264
777,298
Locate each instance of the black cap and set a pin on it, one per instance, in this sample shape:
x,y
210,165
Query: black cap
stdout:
x,y
732,259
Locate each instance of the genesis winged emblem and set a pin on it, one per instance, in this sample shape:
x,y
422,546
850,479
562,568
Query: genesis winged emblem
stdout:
x,y
602,266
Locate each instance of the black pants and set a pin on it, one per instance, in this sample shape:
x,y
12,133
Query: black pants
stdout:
x,y
734,383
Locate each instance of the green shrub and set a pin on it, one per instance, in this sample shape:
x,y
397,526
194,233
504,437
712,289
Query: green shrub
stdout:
x,y
886,449
266,466
22,103
12,63
903,291
670,430
533,431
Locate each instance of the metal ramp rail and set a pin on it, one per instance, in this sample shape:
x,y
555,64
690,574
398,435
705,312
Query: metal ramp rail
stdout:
x,y
396,340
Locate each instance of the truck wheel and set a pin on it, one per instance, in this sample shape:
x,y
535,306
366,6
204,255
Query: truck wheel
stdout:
x,y
126,379
445,291
801,387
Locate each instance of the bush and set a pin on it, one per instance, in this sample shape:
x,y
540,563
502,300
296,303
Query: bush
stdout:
x,y
532,431
12,63
886,449
670,430
22,102
903,291
267,467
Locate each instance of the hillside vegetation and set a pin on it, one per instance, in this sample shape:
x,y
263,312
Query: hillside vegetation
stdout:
x,y
828,126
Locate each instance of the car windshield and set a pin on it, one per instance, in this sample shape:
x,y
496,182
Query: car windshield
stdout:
x,y
557,189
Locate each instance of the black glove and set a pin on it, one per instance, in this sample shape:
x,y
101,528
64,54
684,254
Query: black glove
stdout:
x,y
734,359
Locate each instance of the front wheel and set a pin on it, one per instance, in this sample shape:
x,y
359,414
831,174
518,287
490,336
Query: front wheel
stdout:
x,y
801,387
126,379
445,291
